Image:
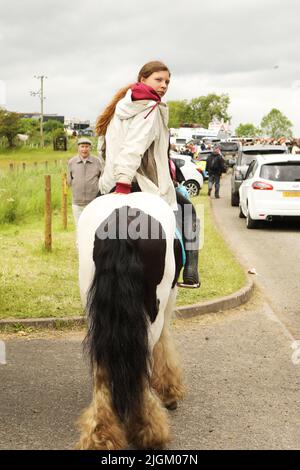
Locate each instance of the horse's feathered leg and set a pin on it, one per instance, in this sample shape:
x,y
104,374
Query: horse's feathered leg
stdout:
x,y
149,428
100,427
166,376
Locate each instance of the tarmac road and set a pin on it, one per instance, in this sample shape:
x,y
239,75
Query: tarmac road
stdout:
x,y
242,367
241,373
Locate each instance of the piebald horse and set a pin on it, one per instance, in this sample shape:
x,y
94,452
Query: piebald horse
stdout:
x,y
129,262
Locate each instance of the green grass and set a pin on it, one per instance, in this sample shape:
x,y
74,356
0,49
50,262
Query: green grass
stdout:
x,y
30,155
22,193
35,283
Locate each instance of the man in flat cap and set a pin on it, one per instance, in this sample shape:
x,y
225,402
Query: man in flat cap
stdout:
x,y
83,175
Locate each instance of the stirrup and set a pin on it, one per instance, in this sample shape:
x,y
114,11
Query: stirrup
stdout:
x,y
189,286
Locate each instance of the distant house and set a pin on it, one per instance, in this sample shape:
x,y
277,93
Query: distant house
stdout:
x,y
76,124
46,117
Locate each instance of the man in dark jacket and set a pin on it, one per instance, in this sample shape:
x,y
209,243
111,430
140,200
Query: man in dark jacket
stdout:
x,y
215,166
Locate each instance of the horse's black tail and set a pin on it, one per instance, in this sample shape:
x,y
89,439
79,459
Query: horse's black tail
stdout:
x,y
117,338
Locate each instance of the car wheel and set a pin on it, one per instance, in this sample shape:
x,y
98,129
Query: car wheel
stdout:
x,y
241,213
193,187
235,199
250,223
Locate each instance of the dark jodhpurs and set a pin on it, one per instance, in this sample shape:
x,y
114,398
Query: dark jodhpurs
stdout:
x,y
186,221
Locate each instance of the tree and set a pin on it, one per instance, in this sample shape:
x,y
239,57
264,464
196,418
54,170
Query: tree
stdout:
x,y
200,110
10,125
247,130
51,125
276,124
206,108
29,126
178,111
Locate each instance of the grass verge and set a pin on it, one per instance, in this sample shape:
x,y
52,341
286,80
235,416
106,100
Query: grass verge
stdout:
x,y
28,155
38,284
33,282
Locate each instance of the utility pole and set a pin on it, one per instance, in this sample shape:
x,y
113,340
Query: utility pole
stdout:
x,y
40,93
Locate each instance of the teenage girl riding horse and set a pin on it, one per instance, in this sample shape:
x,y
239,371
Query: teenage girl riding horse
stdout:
x,y
134,140
133,280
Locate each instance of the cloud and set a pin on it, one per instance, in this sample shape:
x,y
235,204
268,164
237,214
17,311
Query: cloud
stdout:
x,y
89,49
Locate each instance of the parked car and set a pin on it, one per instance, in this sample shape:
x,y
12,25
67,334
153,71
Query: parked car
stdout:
x,y
88,132
188,173
270,188
229,149
231,162
246,154
211,140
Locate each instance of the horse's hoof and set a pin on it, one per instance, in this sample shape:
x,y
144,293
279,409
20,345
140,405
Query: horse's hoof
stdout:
x,y
172,405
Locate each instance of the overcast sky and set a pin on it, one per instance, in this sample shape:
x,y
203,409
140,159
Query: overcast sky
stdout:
x,y
249,49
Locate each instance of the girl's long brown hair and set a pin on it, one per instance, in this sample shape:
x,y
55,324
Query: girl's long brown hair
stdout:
x,y
145,72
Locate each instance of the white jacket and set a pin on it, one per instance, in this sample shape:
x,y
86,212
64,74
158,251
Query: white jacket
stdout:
x,y
136,144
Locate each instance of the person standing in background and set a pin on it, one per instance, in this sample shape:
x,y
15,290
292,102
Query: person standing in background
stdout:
x,y
215,166
83,175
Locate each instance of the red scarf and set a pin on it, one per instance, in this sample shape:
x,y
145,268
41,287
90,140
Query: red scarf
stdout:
x,y
140,91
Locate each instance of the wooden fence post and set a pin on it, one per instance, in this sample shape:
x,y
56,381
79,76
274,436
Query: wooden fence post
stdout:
x,y
35,165
64,200
24,166
11,166
48,214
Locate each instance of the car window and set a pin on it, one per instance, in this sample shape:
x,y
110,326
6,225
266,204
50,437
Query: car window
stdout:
x,y
179,162
251,170
254,167
247,158
229,146
248,155
276,151
283,171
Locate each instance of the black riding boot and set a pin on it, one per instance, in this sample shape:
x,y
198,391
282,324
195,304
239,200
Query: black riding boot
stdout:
x,y
190,272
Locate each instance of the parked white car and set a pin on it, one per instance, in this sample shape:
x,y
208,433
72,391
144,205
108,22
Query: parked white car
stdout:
x,y
271,188
188,173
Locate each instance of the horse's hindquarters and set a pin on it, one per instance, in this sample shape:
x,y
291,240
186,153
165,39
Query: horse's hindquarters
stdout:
x,y
125,282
